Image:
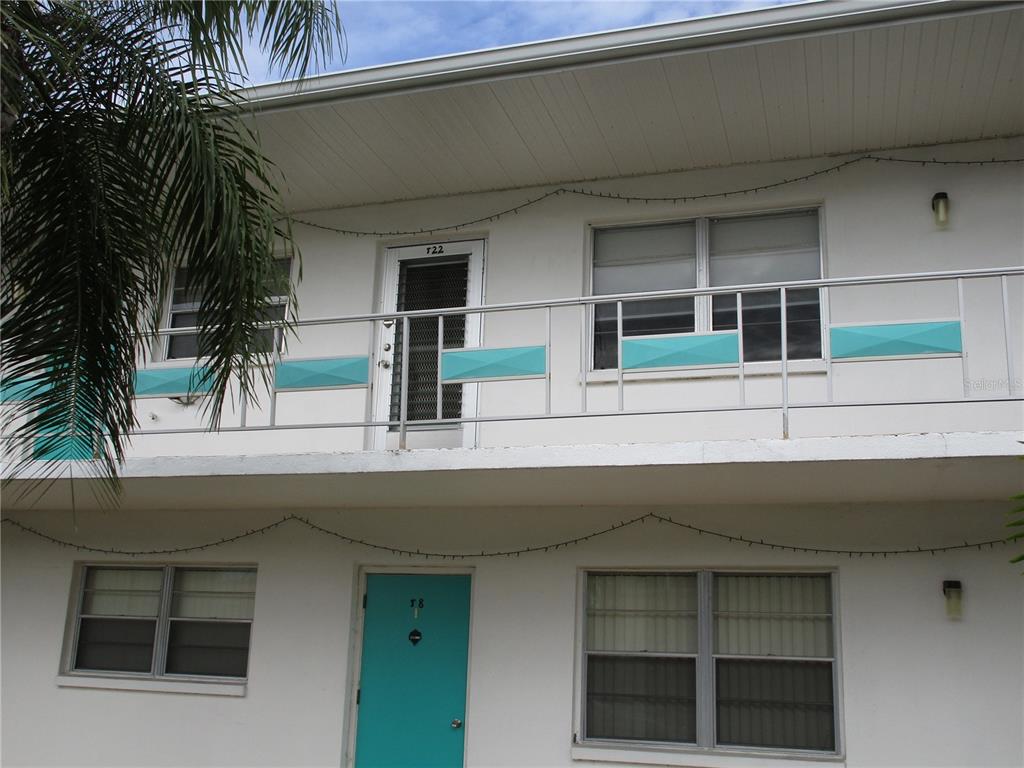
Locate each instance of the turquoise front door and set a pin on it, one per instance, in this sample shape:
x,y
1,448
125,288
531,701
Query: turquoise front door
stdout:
x,y
412,684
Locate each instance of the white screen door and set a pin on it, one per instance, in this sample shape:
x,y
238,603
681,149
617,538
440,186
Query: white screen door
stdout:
x,y
423,277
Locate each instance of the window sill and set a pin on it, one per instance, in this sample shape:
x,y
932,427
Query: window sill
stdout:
x,y
700,758
794,368
114,683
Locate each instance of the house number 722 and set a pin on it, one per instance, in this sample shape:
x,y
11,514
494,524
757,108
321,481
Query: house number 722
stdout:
x,y
432,249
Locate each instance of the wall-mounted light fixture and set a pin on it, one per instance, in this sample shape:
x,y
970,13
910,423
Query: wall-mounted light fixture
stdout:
x,y
953,591
940,207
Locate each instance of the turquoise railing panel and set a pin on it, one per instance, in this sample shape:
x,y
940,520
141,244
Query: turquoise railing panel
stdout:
x,y
64,441
489,364
896,339
322,373
16,390
170,382
63,448
680,350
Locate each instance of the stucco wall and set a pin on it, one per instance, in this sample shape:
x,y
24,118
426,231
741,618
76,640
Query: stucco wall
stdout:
x,y
917,688
876,220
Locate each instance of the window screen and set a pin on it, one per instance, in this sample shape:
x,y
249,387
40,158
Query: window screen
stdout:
x,y
641,652
119,612
635,259
773,661
210,619
186,300
768,249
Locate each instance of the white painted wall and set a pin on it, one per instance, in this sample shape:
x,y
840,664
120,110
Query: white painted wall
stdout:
x,y
918,689
877,220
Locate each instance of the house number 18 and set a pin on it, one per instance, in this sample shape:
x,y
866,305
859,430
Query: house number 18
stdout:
x,y
416,604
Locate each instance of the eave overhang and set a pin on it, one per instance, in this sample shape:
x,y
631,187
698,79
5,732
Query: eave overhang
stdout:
x,y
806,80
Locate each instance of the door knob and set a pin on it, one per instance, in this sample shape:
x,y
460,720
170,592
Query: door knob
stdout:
x,y
384,364
456,723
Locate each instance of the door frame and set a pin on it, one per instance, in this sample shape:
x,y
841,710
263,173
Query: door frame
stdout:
x,y
387,302
351,723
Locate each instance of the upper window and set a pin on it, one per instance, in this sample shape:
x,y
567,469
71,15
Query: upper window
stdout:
x,y
185,303
712,660
703,253
164,621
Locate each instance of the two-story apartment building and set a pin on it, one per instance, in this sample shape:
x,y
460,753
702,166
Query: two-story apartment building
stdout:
x,y
655,400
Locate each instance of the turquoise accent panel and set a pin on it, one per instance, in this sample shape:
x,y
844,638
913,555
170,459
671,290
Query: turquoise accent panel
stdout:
x,y
896,339
502,363
169,382
409,694
680,350
323,373
63,448
54,442
17,390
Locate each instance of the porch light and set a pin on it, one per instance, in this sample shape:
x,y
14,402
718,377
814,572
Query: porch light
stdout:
x,y
940,207
954,594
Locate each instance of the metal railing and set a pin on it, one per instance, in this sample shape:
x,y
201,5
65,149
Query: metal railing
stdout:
x,y
379,322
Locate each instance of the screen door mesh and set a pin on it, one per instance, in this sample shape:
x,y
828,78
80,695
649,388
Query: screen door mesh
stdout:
x,y
428,284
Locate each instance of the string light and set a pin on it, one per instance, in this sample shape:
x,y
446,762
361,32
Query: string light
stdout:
x,y
494,553
675,199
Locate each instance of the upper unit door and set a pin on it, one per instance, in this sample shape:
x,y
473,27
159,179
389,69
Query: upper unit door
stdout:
x,y
425,277
412,683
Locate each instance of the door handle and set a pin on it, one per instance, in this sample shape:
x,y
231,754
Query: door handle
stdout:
x,y
456,723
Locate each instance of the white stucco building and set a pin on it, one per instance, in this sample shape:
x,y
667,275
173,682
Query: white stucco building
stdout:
x,y
829,198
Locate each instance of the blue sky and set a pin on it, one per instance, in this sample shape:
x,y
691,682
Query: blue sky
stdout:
x,y
385,31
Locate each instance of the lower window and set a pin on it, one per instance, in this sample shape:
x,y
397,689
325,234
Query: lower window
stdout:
x,y
711,660
164,621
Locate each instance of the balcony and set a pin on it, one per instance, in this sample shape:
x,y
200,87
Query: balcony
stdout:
x,y
911,390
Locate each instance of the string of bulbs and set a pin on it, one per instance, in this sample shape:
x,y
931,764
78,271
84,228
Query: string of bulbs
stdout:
x,y
676,199
432,555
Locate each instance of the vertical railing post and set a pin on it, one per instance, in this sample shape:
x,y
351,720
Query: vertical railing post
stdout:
x,y
961,313
440,350
278,342
273,388
1010,383
547,361
825,312
242,400
583,358
618,320
403,411
785,364
739,341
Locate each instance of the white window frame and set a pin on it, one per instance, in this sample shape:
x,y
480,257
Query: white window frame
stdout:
x,y
68,671
170,310
675,753
702,319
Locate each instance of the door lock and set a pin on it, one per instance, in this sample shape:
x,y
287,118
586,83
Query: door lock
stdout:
x,y
384,363
456,723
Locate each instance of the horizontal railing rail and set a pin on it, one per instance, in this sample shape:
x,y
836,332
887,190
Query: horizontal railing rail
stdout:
x,y
832,282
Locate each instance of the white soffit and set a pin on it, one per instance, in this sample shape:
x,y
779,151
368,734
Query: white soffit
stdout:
x,y
791,82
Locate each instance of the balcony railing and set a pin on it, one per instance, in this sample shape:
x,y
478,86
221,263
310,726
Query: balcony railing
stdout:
x,y
876,328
